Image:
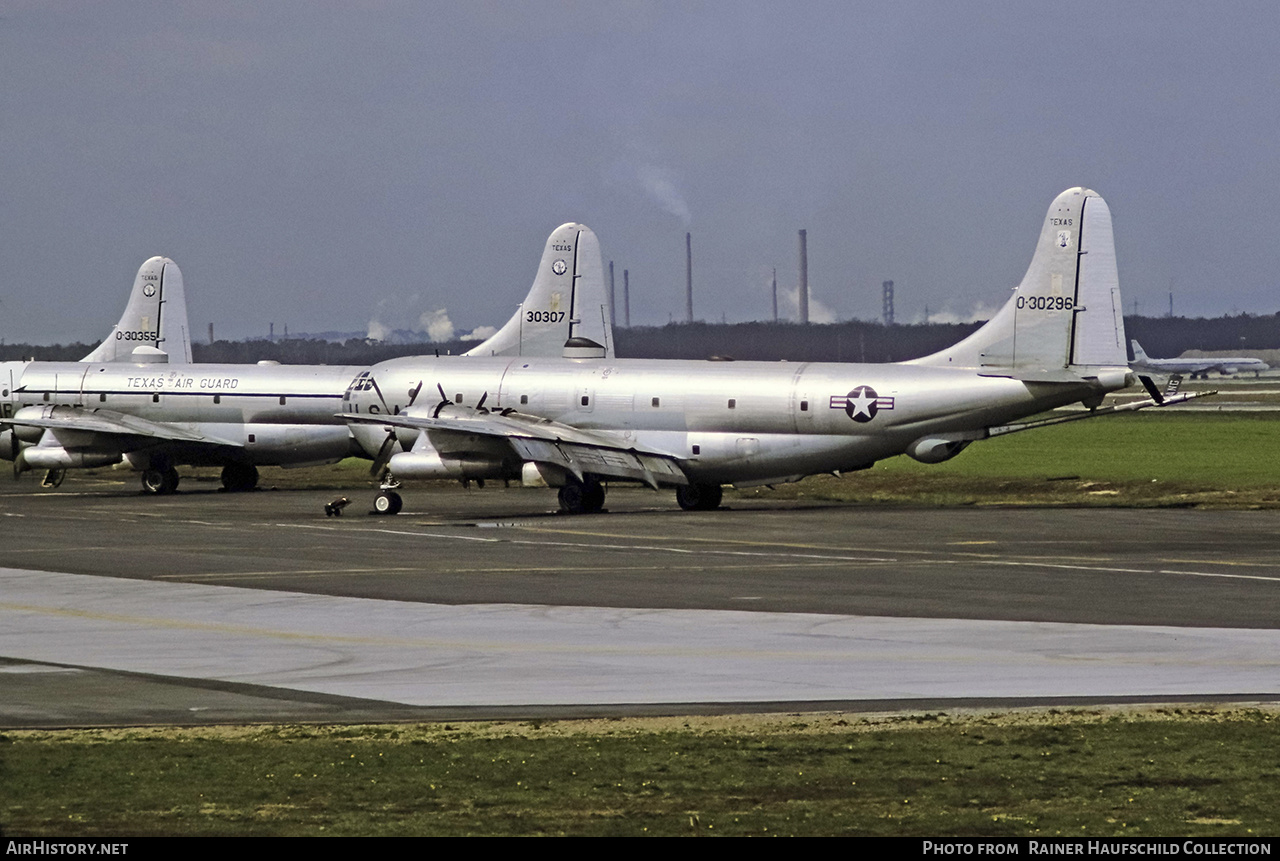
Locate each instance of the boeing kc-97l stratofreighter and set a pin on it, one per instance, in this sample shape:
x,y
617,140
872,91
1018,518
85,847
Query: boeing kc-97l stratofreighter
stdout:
x,y
139,398
578,422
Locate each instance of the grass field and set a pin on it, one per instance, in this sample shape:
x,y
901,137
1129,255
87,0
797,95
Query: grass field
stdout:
x,y
1148,459
1082,773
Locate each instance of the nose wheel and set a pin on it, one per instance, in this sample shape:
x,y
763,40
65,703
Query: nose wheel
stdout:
x,y
387,502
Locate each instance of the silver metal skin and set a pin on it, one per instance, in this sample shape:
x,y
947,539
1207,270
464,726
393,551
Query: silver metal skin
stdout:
x,y
131,400
578,422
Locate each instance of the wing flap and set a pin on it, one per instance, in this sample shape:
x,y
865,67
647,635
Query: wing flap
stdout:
x,y
80,420
576,450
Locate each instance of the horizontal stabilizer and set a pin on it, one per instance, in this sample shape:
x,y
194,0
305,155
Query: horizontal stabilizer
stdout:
x,y
1132,406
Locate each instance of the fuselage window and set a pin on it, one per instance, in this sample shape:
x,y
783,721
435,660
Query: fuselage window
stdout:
x,y
586,400
282,400
656,401
217,399
697,449
733,403
46,396
102,398
253,437
457,399
155,398
524,399
804,406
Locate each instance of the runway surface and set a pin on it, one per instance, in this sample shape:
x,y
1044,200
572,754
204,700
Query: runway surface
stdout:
x,y
487,603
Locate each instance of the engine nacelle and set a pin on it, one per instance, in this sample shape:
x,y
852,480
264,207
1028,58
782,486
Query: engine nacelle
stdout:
x,y
57,457
936,449
10,444
429,464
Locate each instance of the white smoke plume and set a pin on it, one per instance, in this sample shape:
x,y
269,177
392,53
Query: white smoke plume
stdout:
x,y
978,313
660,183
480,333
789,305
436,324
396,318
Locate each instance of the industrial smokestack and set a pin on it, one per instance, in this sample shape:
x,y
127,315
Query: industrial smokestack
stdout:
x,y
626,297
804,277
688,277
210,333
775,294
888,303
613,315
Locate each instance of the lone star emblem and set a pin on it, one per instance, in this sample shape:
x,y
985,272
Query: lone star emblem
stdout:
x,y
861,404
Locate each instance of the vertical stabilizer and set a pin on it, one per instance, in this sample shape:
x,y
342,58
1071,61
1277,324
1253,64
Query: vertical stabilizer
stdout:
x,y
567,301
155,318
1067,310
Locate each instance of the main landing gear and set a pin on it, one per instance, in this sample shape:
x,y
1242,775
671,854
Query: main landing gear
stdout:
x,y
239,477
582,498
160,482
699,497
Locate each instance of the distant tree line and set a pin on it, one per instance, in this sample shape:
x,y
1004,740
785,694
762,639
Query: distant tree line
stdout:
x,y
850,341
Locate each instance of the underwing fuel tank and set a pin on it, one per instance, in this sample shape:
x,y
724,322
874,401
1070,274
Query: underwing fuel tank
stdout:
x,y
936,449
424,461
57,457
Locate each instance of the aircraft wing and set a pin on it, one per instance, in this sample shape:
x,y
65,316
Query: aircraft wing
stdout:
x,y
598,452
109,423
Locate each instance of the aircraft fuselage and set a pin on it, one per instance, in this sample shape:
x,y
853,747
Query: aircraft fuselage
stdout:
x,y
727,422
265,413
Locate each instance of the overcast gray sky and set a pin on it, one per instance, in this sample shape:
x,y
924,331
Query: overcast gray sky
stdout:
x,y
320,164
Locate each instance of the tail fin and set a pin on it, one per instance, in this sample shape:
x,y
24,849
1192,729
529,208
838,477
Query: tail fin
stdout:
x,y
156,318
1139,354
1066,312
567,310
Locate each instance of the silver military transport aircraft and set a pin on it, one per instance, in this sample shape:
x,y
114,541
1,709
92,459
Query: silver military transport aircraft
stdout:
x,y
579,421
131,400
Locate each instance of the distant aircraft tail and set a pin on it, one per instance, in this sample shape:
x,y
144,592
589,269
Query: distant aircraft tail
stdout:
x,y
1065,317
1139,354
155,318
567,310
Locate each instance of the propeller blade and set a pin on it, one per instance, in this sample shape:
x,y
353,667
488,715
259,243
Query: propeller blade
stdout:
x,y
384,455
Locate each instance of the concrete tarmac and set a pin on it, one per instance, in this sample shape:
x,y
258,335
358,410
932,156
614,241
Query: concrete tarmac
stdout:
x,y
486,602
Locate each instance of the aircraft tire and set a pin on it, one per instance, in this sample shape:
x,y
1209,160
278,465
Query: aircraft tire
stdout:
x,y
594,497
571,498
699,497
388,502
159,482
239,477
586,498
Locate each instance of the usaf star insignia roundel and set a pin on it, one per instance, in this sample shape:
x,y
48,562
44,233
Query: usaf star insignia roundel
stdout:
x,y
861,404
